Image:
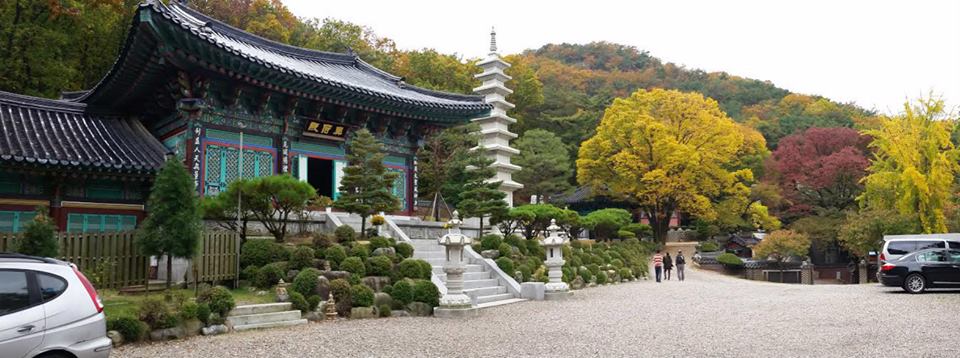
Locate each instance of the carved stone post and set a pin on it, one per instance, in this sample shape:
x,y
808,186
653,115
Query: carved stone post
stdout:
x,y
553,247
455,303
864,279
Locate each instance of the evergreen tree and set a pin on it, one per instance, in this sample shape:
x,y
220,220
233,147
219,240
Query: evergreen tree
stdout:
x,y
173,225
366,185
38,236
480,196
272,199
546,164
441,162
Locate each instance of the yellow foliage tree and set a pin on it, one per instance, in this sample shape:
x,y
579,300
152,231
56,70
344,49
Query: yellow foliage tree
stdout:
x,y
914,164
781,245
666,150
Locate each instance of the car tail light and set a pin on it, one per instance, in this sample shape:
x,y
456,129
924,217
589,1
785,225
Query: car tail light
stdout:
x,y
90,290
887,267
883,257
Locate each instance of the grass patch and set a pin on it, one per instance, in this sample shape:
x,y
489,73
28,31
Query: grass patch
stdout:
x,y
117,305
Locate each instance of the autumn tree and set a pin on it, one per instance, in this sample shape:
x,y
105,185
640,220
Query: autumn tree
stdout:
x,y
781,245
366,185
862,232
666,151
545,164
915,164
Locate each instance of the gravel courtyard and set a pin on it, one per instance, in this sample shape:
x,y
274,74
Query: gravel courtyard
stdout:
x,y
709,315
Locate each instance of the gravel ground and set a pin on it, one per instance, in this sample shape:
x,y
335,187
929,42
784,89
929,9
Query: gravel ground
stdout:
x,y
709,315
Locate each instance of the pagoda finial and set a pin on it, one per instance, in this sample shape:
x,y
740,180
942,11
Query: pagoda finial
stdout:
x,y
493,40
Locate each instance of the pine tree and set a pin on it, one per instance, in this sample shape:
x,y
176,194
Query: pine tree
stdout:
x,y
480,196
173,224
366,185
38,236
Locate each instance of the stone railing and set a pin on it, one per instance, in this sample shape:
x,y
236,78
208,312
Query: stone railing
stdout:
x,y
513,287
398,234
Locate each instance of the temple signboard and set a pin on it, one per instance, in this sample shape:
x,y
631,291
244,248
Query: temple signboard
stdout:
x,y
326,130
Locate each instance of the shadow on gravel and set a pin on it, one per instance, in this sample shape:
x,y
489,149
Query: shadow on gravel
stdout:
x,y
932,291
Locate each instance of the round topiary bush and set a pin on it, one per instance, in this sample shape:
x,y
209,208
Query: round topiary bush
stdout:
x,y
379,266
626,274
354,265
269,275
385,311
618,263
506,264
249,273
345,234
261,252
404,250
323,240
413,268
335,254
132,329
299,303
575,261
313,301
402,292
361,295
306,281
426,292
585,274
300,258
361,251
491,242
594,268
203,313
505,250
425,268
730,260
378,242
218,298
601,277
340,289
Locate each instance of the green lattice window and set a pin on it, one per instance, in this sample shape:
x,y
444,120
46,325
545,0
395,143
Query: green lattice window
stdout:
x,y
222,166
100,223
102,189
13,221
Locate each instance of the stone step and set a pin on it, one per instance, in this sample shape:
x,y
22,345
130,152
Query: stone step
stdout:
x,y
500,303
469,276
264,318
247,327
261,308
480,283
485,291
436,261
438,269
498,297
429,254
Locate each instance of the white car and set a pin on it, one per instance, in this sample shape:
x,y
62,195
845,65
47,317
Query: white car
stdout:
x,y
895,246
48,309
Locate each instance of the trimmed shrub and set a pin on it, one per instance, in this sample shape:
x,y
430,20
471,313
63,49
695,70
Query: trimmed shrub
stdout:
x,y
249,273
353,265
425,268
526,272
203,313
322,241
299,303
618,263
505,250
601,277
361,251
378,242
404,250
313,302
638,229
300,258
388,289
218,298
379,266
261,252
626,274
188,311
709,246
575,261
535,249
624,234
426,292
355,279
729,259
132,329
490,242
385,310
306,281
269,275
155,312
594,269
585,274
345,234
506,264
361,295
402,292
340,289
413,268
335,254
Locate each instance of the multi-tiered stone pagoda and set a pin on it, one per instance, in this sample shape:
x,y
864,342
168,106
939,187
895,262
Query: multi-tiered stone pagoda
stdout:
x,y
494,129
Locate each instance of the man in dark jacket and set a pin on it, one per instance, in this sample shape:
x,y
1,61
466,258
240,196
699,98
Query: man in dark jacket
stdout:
x,y
667,266
681,262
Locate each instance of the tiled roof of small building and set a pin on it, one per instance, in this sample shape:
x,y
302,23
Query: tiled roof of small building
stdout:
x,y
45,132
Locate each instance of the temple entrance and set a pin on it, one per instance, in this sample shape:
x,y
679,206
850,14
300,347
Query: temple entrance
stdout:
x,y
320,176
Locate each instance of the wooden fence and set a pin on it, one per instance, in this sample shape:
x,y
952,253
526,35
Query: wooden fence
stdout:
x,y
111,260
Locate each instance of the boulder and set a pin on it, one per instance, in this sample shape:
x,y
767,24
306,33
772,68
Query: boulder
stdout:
x,y
192,327
380,299
167,333
292,274
490,254
376,282
577,283
313,316
363,313
399,314
419,309
323,287
388,251
333,275
214,330
115,337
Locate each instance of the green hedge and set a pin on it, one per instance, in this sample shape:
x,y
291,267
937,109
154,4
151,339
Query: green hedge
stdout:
x,y
261,252
729,259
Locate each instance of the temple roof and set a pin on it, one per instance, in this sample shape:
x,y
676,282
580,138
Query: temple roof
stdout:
x,y
43,132
340,76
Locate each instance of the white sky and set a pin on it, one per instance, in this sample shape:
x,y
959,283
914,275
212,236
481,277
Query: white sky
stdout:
x,y
874,53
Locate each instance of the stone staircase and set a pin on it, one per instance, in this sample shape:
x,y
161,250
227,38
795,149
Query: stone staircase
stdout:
x,y
266,315
479,283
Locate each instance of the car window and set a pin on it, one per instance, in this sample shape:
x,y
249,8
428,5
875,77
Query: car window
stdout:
x,y
954,244
939,244
51,286
954,255
14,292
901,247
932,256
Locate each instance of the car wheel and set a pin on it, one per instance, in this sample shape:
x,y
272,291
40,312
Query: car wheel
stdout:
x,y
915,283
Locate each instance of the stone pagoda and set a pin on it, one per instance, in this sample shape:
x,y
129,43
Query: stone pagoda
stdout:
x,y
495,134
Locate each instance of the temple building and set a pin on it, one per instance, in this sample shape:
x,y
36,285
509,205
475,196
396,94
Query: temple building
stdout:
x,y
191,86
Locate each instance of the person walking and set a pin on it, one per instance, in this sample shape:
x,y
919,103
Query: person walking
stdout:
x,y
681,262
667,266
658,264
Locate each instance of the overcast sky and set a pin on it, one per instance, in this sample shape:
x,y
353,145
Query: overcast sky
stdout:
x,y
874,53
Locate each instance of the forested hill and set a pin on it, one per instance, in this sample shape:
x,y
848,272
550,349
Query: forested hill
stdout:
x,y
49,47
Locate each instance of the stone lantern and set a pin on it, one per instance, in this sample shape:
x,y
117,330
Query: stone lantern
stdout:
x,y
553,247
455,303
